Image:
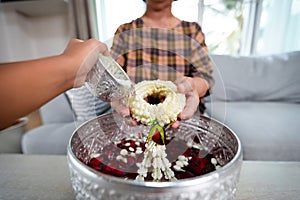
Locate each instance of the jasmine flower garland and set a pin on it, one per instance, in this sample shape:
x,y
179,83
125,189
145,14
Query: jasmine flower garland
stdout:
x,y
155,156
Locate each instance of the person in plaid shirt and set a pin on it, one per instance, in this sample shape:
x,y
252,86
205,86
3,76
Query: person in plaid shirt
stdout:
x,y
160,46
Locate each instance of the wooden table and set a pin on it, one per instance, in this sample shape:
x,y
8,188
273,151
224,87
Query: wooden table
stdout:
x,y
47,177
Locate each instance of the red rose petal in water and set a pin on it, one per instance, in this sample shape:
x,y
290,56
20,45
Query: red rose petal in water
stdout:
x,y
108,164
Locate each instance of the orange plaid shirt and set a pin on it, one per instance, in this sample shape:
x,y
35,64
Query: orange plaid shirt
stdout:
x,y
152,53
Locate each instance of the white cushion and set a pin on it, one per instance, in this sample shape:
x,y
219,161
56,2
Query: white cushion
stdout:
x,y
267,130
48,139
260,78
85,105
58,110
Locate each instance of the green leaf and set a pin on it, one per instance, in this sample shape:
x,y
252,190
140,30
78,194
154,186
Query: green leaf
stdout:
x,y
154,129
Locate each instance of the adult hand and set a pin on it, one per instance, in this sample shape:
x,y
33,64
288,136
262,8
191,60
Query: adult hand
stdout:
x,y
84,55
44,78
193,88
123,111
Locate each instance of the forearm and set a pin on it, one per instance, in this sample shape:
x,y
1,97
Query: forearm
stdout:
x,y
25,86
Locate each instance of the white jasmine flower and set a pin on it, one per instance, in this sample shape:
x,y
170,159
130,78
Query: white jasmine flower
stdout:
x,y
123,152
156,157
140,178
142,171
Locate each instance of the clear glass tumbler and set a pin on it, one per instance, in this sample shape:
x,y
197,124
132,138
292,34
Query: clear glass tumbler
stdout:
x,y
108,81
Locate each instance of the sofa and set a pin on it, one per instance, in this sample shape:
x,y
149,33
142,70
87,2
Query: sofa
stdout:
x,y
60,117
258,97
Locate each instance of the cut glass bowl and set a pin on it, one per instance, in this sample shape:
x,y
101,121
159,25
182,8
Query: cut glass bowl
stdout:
x,y
217,139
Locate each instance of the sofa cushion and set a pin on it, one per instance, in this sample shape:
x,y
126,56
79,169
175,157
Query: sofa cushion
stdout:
x,y
267,130
258,78
57,110
84,105
48,139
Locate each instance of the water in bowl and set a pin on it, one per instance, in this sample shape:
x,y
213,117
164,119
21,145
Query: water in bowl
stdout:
x,y
122,158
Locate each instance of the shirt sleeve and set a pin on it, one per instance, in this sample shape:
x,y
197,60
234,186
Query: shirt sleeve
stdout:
x,y
117,50
202,64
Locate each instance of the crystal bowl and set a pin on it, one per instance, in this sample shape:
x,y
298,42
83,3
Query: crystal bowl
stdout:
x,y
217,139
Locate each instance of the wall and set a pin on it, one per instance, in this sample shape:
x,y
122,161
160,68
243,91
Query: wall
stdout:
x,y
33,29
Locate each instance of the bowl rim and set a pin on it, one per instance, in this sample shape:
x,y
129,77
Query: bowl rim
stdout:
x,y
94,174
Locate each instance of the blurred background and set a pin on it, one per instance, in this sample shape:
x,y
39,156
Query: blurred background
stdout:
x,y
36,28
32,29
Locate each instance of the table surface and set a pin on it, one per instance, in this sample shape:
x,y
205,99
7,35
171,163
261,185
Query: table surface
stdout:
x,y
47,177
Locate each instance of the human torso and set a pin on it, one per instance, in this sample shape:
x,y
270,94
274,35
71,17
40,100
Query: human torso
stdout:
x,y
160,53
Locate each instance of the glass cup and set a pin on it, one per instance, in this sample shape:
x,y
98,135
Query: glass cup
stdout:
x,y
108,81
